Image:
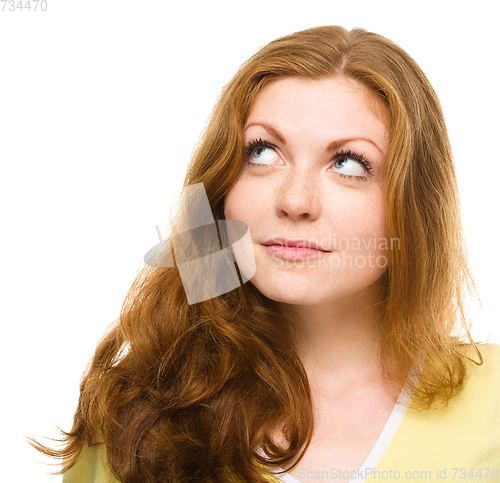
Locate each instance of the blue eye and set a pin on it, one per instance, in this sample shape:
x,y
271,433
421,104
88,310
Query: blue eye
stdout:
x,y
351,167
259,152
261,156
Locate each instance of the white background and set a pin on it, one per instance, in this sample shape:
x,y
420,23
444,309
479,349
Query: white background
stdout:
x,y
101,103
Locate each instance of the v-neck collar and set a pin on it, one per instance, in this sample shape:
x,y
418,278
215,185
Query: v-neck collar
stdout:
x,y
380,446
376,452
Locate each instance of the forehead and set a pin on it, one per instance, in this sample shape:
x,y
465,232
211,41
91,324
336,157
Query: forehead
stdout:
x,y
333,105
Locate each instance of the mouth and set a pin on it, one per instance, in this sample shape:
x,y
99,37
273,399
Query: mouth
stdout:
x,y
294,249
294,253
295,244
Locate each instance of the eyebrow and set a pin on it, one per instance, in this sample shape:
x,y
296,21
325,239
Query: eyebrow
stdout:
x,y
331,147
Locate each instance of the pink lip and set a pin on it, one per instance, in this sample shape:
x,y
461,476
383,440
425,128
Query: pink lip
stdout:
x,y
294,253
296,249
296,243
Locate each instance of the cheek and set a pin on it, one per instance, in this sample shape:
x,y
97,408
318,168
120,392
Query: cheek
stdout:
x,y
369,239
360,230
246,201
373,219
362,217
231,203
237,201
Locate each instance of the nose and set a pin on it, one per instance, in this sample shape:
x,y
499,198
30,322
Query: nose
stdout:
x,y
299,196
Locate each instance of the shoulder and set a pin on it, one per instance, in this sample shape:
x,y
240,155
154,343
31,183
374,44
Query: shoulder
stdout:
x,y
90,468
481,390
93,468
463,434
490,367
491,352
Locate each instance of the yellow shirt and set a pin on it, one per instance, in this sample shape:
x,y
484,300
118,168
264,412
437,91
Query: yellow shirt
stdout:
x,y
458,443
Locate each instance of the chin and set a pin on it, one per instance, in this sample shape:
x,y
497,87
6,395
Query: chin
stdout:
x,y
292,294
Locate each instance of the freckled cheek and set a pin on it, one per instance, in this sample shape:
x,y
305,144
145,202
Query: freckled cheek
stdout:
x,y
375,232
363,220
245,201
231,203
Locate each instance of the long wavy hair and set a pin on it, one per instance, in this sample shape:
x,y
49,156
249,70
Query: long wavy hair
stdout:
x,y
180,392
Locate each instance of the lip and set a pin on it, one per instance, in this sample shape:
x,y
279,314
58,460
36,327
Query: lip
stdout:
x,y
294,253
294,249
294,243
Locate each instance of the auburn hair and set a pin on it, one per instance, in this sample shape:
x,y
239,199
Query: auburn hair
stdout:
x,y
179,392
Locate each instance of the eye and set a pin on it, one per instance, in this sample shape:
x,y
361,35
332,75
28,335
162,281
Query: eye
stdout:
x,y
259,152
349,164
263,155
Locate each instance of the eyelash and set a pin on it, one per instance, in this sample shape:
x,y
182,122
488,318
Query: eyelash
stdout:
x,y
253,144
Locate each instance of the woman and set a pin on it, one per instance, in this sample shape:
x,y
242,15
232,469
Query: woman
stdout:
x,y
339,358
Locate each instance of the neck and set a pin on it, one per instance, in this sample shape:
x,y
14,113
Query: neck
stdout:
x,y
339,339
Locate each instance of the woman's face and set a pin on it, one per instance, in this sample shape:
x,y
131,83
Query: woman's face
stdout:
x,y
316,148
